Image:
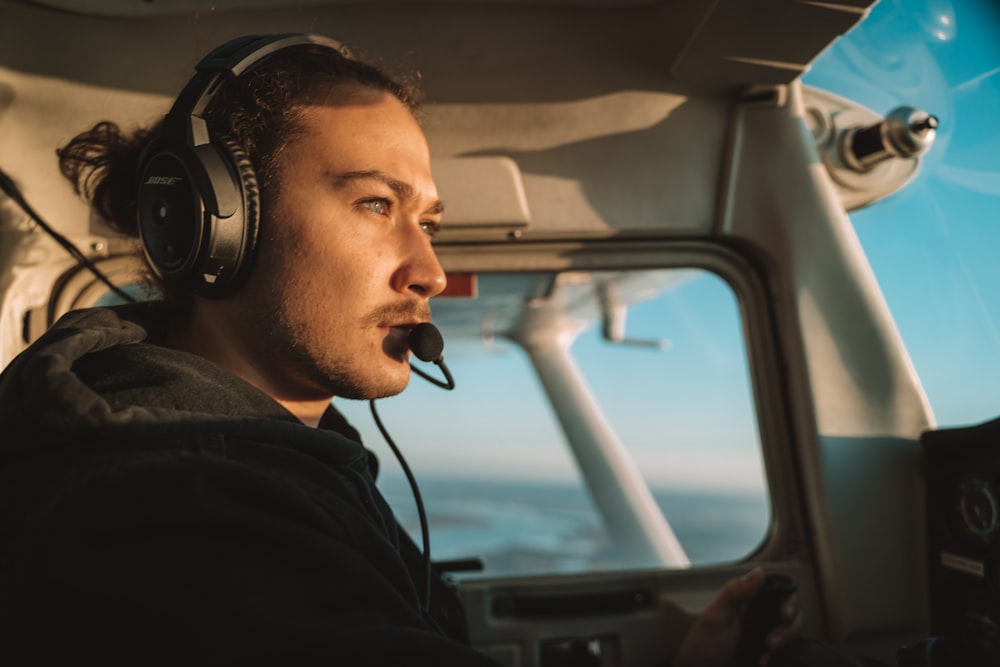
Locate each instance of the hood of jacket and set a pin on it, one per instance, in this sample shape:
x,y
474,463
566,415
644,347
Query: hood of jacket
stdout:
x,y
100,371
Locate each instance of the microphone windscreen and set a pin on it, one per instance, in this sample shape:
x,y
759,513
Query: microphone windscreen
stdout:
x,y
426,342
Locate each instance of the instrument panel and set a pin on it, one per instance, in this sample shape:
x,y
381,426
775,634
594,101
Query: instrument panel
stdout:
x,y
963,495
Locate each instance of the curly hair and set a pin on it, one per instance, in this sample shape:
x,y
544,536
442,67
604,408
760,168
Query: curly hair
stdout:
x,y
258,110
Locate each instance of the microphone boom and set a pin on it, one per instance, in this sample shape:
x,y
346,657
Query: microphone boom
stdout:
x,y
427,344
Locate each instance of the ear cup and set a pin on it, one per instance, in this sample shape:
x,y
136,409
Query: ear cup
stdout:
x,y
244,228
198,199
199,213
170,211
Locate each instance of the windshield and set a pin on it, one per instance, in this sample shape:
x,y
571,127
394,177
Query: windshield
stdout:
x,y
934,245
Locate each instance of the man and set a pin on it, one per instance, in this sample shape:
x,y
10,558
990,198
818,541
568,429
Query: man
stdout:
x,y
177,487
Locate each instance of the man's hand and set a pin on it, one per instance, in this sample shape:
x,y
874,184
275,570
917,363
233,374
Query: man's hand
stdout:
x,y
714,639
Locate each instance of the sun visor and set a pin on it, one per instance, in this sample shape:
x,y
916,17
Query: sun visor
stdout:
x,y
481,192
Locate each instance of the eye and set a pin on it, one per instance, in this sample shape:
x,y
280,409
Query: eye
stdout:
x,y
430,227
378,206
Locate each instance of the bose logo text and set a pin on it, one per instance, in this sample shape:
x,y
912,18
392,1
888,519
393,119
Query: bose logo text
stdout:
x,y
162,180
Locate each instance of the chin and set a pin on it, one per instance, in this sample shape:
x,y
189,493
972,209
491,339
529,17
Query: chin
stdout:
x,y
381,382
395,383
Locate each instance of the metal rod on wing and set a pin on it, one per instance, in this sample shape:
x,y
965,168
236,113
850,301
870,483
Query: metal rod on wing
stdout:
x,y
637,527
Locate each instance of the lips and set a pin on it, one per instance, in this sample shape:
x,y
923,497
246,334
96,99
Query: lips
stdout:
x,y
397,321
398,338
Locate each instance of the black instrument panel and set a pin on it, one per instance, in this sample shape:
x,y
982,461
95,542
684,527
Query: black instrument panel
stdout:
x,y
963,509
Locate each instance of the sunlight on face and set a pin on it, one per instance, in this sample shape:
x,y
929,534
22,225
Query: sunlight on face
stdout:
x,y
345,267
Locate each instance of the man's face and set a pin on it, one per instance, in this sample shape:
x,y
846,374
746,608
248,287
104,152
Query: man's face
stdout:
x,y
345,266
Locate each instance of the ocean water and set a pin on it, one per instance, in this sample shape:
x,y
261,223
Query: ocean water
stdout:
x,y
542,528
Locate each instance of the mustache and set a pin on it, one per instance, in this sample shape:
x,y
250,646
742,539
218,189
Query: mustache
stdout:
x,y
393,313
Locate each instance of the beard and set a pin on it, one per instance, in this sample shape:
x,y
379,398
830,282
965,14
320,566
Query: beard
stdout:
x,y
324,360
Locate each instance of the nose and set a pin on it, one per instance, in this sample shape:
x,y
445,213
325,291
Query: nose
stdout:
x,y
420,272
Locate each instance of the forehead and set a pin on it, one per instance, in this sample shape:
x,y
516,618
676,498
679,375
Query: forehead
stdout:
x,y
359,113
360,130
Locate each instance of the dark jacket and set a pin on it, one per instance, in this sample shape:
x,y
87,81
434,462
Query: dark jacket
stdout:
x,y
155,509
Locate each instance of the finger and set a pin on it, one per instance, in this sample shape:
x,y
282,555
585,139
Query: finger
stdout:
x,y
774,642
734,596
788,630
741,590
789,608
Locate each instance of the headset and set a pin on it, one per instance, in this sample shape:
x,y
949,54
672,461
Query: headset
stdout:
x,y
197,201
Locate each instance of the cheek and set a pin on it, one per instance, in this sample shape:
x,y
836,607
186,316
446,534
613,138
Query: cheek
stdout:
x,y
355,261
363,261
302,255
335,282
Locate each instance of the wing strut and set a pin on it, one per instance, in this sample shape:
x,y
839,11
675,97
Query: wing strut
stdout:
x,y
640,532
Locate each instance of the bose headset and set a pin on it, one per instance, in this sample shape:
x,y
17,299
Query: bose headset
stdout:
x,y
198,203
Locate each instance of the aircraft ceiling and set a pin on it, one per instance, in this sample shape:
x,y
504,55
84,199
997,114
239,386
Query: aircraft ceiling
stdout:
x,y
727,42
613,113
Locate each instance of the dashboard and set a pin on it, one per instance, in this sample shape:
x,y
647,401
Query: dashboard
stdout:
x,y
963,495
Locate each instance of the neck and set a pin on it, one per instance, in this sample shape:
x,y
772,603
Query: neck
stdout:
x,y
307,412
209,337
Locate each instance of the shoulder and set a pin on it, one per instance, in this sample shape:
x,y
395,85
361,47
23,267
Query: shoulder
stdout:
x,y
195,558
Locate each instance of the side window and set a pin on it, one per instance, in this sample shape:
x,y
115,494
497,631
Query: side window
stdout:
x,y
660,360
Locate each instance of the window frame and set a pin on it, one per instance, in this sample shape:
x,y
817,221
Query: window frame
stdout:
x,y
785,537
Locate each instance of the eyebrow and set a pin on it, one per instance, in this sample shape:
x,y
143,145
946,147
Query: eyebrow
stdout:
x,y
402,189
